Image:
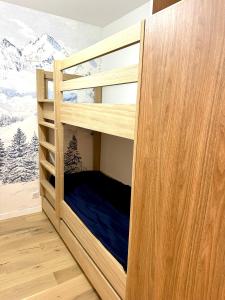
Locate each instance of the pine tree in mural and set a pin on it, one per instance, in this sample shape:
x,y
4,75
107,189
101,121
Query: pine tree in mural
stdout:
x,y
32,161
72,158
2,158
34,143
15,170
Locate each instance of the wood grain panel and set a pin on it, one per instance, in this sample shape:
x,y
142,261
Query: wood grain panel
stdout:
x,y
50,212
177,244
108,265
113,119
115,42
162,4
113,77
101,285
49,197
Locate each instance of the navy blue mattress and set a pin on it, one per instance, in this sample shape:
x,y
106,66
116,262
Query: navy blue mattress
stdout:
x,y
103,204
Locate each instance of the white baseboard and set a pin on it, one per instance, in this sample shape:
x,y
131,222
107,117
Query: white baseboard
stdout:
x,y
17,213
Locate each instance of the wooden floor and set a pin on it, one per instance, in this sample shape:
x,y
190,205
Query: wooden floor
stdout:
x,y
35,261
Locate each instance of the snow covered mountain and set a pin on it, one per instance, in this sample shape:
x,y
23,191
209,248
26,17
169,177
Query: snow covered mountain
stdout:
x,y
38,53
18,77
42,52
10,56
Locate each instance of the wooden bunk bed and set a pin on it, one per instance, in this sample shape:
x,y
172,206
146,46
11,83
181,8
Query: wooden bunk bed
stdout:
x,y
103,270
176,240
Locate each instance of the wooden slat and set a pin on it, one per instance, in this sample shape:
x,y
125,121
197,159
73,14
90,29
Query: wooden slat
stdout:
x,y
108,265
48,115
47,101
47,124
113,77
115,42
48,166
70,76
112,119
48,146
50,212
45,183
49,76
95,276
49,198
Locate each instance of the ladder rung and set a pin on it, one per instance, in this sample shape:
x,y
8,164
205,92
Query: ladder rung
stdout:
x,y
47,100
49,188
48,146
48,166
47,124
46,114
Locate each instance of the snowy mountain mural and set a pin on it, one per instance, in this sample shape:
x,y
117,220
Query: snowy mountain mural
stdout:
x,y
39,53
18,81
24,47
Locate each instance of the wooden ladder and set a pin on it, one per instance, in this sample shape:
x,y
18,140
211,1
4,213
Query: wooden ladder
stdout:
x,y
47,149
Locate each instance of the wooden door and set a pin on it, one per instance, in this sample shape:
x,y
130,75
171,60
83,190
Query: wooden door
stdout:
x,y
177,240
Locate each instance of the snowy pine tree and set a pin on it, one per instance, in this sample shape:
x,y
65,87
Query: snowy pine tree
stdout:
x,y
72,158
15,169
32,161
2,158
34,143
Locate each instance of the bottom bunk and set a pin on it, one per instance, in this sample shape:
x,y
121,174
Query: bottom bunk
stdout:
x,y
96,211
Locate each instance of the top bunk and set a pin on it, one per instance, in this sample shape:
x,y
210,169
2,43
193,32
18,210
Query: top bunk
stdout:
x,y
114,119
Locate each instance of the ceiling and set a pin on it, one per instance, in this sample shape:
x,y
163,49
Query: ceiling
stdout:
x,y
96,12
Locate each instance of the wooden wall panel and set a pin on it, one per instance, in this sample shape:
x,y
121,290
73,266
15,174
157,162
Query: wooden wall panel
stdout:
x,y
162,4
177,242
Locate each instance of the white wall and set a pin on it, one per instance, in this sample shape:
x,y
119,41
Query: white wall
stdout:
x,y
116,157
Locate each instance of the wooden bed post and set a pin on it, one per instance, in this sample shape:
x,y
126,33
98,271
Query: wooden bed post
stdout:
x,y
59,138
97,135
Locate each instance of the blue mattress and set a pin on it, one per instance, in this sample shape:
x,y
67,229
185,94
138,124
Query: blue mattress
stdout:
x,y
103,204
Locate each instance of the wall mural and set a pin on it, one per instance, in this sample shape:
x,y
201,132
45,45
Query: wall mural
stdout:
x,y
72,158
18,113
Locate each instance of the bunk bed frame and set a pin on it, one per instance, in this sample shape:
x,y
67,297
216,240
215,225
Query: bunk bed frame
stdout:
x,y
177,232
102,269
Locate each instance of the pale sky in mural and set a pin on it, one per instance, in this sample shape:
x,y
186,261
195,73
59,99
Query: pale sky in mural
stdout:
x,y
23,25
